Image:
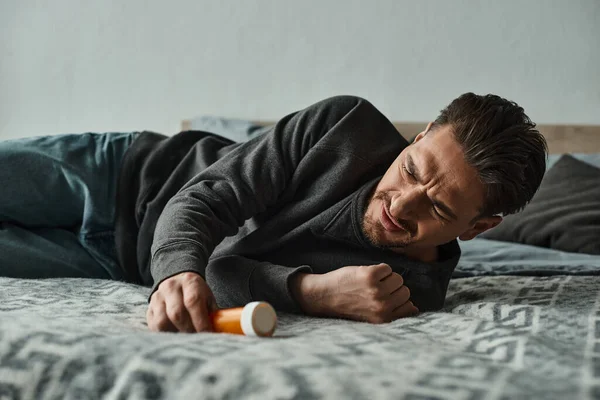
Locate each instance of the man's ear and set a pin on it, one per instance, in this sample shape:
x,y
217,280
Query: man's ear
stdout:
x,y
420,135
480,226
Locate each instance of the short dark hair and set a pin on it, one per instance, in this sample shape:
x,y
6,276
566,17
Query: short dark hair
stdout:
x,y
502,144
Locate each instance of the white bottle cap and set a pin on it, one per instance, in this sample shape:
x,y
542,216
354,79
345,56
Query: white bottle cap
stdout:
x,y
258,319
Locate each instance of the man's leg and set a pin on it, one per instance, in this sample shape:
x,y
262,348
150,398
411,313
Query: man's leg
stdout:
x,y
57,200
45,253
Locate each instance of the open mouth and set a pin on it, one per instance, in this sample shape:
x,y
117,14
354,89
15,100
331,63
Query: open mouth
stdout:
x,y
389,223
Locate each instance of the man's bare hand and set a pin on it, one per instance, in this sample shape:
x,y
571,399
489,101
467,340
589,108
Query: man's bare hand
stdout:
x,y
181,303
372,293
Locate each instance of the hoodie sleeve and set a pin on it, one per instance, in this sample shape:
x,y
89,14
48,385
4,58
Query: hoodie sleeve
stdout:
x,y
236,281
217,201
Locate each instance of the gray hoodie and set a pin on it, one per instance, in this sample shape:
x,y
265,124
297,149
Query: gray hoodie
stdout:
x,y
249,216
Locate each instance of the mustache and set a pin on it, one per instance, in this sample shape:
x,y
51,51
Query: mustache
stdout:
x,y
387,200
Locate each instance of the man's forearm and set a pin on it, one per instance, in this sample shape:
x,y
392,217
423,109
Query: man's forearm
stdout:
x,y
307,289
373,293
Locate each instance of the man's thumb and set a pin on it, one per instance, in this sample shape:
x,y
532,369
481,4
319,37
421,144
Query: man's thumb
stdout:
x,y
212,305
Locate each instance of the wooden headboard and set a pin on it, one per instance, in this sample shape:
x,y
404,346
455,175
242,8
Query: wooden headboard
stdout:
x,y
560,138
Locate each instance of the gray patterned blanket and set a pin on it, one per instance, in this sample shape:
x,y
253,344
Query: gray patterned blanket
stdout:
x,y
497,338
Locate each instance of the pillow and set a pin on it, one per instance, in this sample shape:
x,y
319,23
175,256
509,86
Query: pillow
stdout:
x,y
563,215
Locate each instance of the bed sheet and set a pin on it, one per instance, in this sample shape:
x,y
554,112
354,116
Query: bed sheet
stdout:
x,y
498,337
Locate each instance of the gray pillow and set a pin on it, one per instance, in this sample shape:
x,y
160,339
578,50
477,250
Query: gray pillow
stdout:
x,y
563,215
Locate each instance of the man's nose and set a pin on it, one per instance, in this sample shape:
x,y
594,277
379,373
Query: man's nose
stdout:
x,y
407,203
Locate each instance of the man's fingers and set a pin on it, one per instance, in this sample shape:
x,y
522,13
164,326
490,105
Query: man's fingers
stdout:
x,y
380,271
177,313
399,297
212,305
204,323
197,308
158,320
391,283
182,303
406,310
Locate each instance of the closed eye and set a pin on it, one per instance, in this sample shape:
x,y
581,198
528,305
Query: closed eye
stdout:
x,y
408,172
440,216
413,173
435,211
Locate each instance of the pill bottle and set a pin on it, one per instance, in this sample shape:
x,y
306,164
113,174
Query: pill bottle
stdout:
x,y
254,319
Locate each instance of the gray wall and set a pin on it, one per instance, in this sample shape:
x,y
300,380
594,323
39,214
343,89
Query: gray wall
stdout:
x,y
74,66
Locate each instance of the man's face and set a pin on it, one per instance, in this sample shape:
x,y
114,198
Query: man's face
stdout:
x,y
428,196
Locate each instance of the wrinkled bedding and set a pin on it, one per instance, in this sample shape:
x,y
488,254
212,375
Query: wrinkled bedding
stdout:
x,y
499,337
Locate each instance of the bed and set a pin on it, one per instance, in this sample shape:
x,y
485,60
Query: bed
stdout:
x,y
520,322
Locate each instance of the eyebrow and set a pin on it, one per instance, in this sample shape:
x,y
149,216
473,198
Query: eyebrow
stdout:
x,y
414,170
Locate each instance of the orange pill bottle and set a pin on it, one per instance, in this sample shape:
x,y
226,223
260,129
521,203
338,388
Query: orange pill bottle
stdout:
x,y
254,319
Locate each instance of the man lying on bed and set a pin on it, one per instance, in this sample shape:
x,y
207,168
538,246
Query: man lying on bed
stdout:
x,y
339,215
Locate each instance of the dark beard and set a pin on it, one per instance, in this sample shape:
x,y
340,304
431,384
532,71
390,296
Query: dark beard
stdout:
x,y
370,227
373,238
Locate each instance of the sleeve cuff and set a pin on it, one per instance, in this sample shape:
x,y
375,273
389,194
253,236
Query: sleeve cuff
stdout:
x,y
271,283
172,260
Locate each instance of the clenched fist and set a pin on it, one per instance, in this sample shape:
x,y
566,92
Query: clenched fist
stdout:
x,y
181,303
372,293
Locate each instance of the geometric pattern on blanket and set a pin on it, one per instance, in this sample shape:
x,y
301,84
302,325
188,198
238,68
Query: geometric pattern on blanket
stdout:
x,y
498,337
